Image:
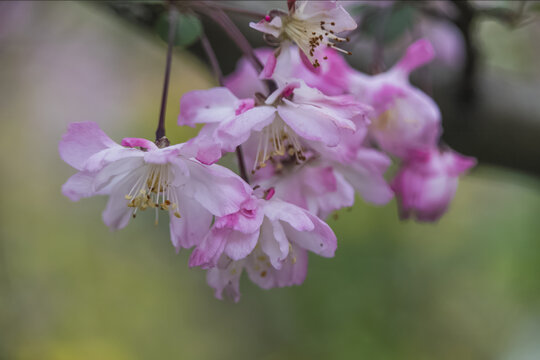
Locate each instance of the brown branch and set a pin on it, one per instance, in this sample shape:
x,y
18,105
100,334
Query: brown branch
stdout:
x,y
160,131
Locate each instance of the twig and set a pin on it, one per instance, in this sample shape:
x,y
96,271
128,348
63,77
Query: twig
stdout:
x,y
212,58
160,131
240,40
251,13
242,163
236,36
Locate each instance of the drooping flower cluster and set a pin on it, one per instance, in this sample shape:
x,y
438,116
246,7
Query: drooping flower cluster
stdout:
x,y
324,134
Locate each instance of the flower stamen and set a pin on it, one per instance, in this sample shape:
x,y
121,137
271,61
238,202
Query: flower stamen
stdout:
x,y
153,189
282,140
309,35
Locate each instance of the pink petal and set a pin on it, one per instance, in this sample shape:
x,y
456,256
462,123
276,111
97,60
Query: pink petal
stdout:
x,y
321,240
192,227
216,188
366,176
327,202
226,281
328,11
310,123
274,242
117,214
260,270
204,147
307,63
279,210
248,220
459,163
207,253
108,156
207,106
79,186
273,27
81,141
418,54
293,272
269,68
284,90
116,172
237,130
321,180
240,245
244,81
138,142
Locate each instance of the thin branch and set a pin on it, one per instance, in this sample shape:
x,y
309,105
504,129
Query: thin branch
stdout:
x,y
212,58
236,36
160,131
240,40
242,163
250,13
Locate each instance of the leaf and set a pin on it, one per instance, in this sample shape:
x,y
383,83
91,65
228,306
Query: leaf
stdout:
x,y
534,7
188,29
388,24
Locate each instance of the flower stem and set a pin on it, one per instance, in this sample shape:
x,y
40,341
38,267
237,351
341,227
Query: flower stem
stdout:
x,y
212,58
236,36
230,28
241,163
173,17
219,75
217,5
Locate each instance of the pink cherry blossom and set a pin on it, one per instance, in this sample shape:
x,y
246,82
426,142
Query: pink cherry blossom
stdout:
x,y
427,182
137,175
323,184
268,237
315,187
225,277
271,223
293,116
405,118
360,166
310,25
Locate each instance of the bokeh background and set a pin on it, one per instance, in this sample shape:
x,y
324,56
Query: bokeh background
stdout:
x,y
467,287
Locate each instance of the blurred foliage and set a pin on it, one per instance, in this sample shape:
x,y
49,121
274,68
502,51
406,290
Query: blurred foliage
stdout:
x,y
464,288
386,24
188,29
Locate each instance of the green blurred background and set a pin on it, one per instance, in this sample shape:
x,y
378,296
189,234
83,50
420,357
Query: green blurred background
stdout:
x,y
464,288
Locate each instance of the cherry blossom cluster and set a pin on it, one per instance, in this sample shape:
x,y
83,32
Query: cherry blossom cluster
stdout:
x,y
314,133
